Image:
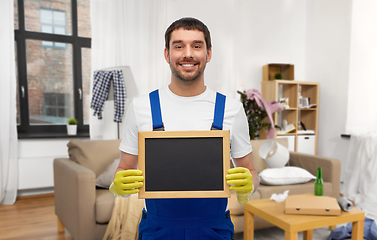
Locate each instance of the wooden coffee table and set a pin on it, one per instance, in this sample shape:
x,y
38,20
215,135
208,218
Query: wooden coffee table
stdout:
x,y
273,212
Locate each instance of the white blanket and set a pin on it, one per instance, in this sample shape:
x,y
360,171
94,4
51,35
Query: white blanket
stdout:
x,y
360,173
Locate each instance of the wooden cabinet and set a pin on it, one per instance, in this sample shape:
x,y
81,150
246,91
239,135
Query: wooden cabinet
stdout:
x,y
287,71
296,93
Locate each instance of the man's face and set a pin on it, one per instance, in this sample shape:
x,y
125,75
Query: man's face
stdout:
x,y
188,54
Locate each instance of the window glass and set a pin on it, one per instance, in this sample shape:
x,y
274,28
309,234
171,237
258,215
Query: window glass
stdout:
x,y
86,75
46,16
50,83
59,18
53,21
83,18
47,29
59,30
17,95
53,13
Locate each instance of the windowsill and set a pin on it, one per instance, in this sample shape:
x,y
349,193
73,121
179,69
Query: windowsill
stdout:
x,y
51,135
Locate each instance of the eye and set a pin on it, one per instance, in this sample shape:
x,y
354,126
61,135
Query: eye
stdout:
x,y
197,46
178,46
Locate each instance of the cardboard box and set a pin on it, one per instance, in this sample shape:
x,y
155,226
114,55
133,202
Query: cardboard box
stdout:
x,y
312,205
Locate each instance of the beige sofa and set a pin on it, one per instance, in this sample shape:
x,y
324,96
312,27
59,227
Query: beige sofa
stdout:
x,y
85,210
82,208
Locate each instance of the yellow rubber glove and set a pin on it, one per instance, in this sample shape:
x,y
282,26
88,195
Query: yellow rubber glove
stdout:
x,y
126,182
242,182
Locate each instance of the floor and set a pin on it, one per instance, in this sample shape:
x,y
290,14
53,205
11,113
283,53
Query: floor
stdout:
x,y
30,218
34,218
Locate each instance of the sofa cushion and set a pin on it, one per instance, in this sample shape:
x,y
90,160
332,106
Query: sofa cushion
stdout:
x,y
104,205
284,176
266,191
105,179
258,161
95,155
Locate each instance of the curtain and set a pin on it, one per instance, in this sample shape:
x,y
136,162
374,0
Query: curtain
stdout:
x,y
360,178
359,170
8,124
127,33
362,97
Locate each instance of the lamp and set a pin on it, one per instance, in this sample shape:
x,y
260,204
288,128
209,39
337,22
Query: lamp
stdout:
x,y
274,154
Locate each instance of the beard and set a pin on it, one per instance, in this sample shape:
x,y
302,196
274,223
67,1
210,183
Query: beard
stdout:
x,y
187,76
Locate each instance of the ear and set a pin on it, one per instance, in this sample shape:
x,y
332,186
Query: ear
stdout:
x,y
166,54
209,55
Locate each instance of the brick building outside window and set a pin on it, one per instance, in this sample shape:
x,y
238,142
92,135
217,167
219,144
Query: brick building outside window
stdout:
x,y
53,65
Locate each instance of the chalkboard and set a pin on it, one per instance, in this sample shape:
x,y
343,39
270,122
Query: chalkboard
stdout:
x,y
184,164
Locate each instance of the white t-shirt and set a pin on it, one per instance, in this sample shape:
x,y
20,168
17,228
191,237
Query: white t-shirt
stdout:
x,y
185,114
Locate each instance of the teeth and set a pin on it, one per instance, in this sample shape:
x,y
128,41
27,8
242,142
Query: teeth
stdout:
x,y
187,65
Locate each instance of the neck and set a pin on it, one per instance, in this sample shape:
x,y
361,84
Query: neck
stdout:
x,y
187,89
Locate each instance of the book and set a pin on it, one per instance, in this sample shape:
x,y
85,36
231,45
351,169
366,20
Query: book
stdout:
x,y
288,128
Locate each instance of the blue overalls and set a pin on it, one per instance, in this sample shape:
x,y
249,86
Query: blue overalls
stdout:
x,y
186,218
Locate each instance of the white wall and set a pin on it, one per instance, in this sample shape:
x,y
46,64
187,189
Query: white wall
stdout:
x,y
245,36
35,157
313,35
328,32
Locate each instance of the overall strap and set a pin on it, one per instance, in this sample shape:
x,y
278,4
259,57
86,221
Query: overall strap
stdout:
x,y
156,111
218,117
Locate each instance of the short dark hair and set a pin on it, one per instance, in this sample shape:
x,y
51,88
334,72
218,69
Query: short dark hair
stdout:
x,y
188,24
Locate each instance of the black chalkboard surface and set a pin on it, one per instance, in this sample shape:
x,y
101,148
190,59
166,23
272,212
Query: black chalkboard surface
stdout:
x,y
184,164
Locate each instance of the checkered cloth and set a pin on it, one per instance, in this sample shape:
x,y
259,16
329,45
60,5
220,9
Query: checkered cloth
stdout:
x,y
101,87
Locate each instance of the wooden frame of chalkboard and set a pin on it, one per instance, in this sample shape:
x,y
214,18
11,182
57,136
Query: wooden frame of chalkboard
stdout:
x,y
184,164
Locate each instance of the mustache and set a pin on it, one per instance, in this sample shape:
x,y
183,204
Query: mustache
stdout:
x,y
188,60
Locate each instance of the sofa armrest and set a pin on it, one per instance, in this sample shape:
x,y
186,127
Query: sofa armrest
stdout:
x,y
75,198
330,168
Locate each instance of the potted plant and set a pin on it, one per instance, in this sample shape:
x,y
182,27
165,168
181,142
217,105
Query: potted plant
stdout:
x,y
278,75
254,106
72,126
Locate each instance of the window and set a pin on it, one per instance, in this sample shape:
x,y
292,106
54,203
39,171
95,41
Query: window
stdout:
x,y
53,21
53,66
56,105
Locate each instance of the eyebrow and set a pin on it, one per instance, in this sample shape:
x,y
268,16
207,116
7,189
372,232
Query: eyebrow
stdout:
x,y
199,41
181,41
176,42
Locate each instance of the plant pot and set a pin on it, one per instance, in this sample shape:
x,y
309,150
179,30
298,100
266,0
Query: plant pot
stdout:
x,y
72,129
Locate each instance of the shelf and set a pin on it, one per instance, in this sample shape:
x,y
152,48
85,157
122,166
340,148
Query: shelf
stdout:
x,y
289,91
286,134
306,133
52,135
287,71
310,91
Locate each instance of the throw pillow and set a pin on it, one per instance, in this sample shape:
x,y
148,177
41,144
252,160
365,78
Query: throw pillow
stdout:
x,y
285,176
105,179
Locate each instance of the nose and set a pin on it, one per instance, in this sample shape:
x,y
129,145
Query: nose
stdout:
x,y
188,53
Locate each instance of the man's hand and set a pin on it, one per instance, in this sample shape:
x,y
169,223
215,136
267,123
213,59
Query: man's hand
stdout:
x,y
127,182
242,182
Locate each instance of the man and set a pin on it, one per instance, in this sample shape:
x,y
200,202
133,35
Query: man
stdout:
x,y
186,104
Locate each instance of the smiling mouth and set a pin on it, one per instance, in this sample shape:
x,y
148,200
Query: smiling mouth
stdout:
x,y
188,66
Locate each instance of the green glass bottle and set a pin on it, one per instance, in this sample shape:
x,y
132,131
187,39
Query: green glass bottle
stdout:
x,y
318,185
